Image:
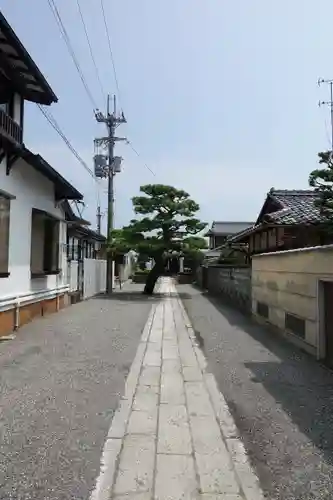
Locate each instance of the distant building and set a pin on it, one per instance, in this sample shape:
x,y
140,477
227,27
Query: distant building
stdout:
x,y
220,231
289,219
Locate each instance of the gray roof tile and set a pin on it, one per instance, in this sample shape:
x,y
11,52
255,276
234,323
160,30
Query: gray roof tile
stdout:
x,y
297,207
229,227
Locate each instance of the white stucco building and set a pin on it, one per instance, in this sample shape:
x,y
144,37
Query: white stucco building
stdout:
x,y
33,232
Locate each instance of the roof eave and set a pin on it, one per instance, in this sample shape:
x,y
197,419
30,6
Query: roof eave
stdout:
x,y
49,96
63,189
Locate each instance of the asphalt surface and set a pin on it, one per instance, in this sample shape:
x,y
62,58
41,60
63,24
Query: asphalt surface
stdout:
x,y
280,398
60,382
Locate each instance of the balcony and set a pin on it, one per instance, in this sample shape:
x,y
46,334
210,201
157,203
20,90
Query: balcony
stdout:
x,y
9,129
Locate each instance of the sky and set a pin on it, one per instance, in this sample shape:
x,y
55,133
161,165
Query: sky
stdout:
x,y
221,96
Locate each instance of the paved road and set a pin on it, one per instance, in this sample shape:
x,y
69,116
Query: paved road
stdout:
x,y
60,382
280,398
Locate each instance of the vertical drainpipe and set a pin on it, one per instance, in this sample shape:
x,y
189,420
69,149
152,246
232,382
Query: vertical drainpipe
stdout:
x,y
17,314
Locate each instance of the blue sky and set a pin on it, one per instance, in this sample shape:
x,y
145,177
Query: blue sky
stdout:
x,y
220,96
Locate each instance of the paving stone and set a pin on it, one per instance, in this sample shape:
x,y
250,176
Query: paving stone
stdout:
x,y
174,432
131,384
216,473
146,399
208,496
170,350
152,359
171,366
221,408
120,419
136,465
105,481
192,374
172,389
175,478
187,355
156,336
142,422
150,376
206,435
147,328
198,402
135,496
154,347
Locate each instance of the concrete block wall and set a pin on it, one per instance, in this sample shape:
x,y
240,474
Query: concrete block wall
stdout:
x,y
285,285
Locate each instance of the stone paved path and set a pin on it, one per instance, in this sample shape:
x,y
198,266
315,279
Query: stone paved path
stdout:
x,y
172,436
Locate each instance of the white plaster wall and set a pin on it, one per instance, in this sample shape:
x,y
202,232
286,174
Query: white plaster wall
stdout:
x,y
31,190
17,109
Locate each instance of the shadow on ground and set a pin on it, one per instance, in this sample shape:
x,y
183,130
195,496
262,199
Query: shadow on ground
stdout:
x,y
298,383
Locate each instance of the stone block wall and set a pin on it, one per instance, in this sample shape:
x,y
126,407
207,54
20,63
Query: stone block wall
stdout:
x,y
233,284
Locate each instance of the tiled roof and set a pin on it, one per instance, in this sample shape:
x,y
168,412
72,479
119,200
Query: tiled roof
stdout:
x,y
228,227
238,236
297,207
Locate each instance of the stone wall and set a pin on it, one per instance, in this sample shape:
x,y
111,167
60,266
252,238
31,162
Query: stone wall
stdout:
x,y
233,284
286,292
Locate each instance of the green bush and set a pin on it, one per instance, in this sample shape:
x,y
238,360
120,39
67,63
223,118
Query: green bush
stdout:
x,y
142,271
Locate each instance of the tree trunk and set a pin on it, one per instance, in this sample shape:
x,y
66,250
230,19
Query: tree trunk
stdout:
x,y
153,276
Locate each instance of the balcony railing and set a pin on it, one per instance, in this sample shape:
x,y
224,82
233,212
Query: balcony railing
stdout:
x,y
9,128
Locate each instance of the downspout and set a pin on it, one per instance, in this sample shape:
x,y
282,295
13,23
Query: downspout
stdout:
x,y
17,314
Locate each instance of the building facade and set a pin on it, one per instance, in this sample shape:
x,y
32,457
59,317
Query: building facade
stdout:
x,y
33,231
221,231
289,219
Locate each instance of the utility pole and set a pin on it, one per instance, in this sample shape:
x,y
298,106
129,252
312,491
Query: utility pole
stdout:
x,y
328,103
112,121
99,218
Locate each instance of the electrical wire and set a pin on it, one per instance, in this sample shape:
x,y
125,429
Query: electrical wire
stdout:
x,y
138,154
110,50
90,48
68,43
54,124
52,121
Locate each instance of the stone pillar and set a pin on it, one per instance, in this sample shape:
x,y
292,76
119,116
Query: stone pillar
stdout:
x,y
181,264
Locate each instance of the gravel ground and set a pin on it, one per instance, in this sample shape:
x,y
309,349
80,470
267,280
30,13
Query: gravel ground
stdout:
x,y
60,382
280,397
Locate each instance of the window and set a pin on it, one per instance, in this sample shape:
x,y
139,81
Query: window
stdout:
x,y
295,324
4,235
44,257
262,309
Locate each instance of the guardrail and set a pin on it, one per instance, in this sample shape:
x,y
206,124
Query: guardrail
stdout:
x,y
10,128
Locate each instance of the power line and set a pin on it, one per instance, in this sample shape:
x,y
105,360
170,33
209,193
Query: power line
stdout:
x,y
54,124
90,48
138,154
110,50
65,35
52,121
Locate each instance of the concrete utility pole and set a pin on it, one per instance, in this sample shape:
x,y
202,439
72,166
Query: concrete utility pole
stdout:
x,y
112,121
328,103
99,218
